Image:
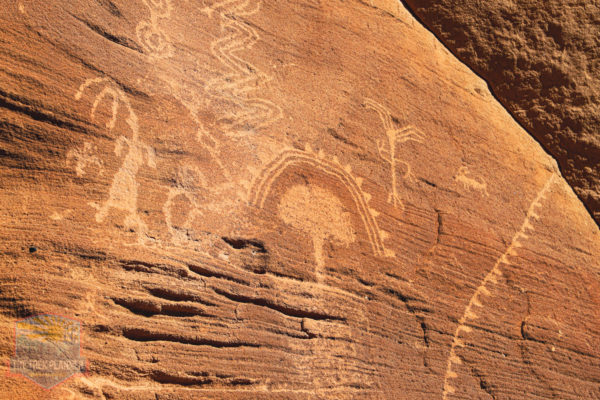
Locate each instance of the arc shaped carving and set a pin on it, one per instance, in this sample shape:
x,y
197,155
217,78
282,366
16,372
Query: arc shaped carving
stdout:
x,y
491,278
263,183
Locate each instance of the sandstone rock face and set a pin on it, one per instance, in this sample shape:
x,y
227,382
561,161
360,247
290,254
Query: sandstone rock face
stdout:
x,y
246,199
542,61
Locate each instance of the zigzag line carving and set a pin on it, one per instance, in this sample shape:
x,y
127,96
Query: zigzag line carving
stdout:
x,y
235,87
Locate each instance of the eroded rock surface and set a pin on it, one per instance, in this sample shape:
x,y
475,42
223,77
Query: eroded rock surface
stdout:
x,y
542,60
307,199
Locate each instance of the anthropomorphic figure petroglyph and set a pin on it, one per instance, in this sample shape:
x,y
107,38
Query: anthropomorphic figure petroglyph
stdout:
x,y
387,151
123,193
463,177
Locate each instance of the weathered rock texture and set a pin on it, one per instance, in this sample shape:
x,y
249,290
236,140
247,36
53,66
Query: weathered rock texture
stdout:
x,y
299,199
542,61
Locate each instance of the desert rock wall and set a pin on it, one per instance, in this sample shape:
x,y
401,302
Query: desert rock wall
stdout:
x,y
252,199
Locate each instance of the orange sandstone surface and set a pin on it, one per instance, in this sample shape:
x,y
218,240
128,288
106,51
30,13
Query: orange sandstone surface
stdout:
x,y
258,199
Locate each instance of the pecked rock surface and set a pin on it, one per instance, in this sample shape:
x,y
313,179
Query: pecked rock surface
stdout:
x,y
542,61
303,199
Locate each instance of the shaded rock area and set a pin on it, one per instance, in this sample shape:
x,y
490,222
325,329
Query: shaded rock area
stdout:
x,y
245,199
542,61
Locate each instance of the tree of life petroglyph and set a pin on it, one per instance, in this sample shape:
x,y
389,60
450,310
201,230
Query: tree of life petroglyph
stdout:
x,y
483,289
123,192
261,188
387,151
320,214
239,84
478,184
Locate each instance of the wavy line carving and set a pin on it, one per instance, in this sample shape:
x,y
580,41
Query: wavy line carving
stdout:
x,y
237,86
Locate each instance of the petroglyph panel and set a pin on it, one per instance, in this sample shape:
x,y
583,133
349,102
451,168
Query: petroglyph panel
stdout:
x,y
229,261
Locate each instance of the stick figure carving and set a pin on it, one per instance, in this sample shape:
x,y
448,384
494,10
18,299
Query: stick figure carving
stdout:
x,y
387,151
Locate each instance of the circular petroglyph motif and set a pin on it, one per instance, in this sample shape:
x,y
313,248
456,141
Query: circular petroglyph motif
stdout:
x,y
153,40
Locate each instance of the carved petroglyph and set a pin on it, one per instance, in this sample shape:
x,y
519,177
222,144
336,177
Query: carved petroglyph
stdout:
x,y
483,290
387,151
194,102
123,193
85,158
223,95
320,214
478,184
262,185
189,180
56,216
157,45
249,112
152,38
